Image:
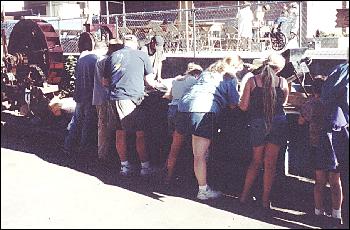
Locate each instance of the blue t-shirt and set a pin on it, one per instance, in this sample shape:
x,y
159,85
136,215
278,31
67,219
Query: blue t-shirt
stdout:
x,y
335,96
128,68
211,93
84,77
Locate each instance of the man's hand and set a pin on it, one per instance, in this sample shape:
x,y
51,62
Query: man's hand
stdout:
x,y
106,82
301,120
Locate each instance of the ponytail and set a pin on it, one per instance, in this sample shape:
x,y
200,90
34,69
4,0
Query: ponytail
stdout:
x,y
269,94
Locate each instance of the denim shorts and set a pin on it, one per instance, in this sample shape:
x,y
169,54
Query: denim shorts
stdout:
x,y
277,135
333,150
172,110
132,117
199,124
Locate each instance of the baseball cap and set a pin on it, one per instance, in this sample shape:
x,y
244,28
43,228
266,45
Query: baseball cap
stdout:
x,y
192,66
115,41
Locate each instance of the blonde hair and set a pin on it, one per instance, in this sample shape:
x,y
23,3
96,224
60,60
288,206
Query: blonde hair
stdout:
x,y
273,64
225,65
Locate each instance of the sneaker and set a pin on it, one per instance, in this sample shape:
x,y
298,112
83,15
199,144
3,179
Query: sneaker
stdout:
x,y
125,170
208,194
146,171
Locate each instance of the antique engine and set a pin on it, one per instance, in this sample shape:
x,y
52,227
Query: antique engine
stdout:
x,y
32,66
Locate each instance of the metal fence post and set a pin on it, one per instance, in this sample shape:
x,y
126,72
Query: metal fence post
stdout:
x,y
194,32
58,28
116,27
300,22
186,28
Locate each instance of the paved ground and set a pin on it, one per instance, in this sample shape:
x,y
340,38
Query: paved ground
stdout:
x,y
43,188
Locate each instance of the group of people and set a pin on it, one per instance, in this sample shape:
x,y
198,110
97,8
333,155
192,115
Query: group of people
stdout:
x,y
112,86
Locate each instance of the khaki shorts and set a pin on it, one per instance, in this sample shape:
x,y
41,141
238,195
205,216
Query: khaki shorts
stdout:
x,y
132,117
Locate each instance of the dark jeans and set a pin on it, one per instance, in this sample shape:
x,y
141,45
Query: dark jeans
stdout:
x,y
82,130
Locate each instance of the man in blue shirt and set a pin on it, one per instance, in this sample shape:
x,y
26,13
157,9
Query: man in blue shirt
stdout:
x,y
335,97
83,125
129,69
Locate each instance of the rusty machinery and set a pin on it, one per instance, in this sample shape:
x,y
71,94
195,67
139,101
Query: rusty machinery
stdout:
x,y
33,57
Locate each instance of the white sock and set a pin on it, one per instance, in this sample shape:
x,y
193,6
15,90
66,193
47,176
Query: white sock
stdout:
x,y
336,213
124,163
319,212
145,164
203,188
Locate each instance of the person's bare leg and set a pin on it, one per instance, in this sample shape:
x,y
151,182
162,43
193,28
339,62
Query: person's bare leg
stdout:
x,y
121,145
174,151
270,160
140,146
252,172
320,184
200,146
336,193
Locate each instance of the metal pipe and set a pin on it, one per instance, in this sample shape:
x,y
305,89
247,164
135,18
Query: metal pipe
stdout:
x,y
300,22
194,33
107,12
117,27
124,16
186,16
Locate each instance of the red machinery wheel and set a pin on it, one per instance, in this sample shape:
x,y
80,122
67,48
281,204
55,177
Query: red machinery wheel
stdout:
x,y
37,40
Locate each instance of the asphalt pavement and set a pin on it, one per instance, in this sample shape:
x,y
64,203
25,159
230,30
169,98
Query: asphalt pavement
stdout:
x,y
41,187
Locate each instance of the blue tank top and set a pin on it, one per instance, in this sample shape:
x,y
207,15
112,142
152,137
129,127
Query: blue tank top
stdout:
x,y
256,104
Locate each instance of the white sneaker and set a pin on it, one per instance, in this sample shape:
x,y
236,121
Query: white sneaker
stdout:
x,y
126,170
145,171
208,194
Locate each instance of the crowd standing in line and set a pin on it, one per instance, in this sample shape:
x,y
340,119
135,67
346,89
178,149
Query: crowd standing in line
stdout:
x,y
113,85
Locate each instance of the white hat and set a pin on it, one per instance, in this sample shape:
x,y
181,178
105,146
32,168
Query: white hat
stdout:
x,y
130,37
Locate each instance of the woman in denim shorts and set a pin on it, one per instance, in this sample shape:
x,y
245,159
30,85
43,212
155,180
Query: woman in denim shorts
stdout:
x,y
263,97
180,85
198,111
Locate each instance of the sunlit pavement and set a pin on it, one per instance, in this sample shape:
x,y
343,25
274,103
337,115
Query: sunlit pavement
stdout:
x,y
38,194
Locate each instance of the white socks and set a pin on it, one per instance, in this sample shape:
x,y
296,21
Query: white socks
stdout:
x,y
124,163
319,212
145,164
336,213
203,188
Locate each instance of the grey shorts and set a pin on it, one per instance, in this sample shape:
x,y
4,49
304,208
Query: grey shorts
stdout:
x,y
131,117
277,135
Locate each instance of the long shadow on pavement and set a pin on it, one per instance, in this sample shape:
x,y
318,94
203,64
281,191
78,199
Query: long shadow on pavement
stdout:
x,y
287,196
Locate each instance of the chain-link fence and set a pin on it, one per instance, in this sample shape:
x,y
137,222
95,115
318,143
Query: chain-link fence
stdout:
x,y
193,30
205,29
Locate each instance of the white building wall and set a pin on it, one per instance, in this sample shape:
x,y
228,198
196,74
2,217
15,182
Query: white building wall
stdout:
x,y
322,15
